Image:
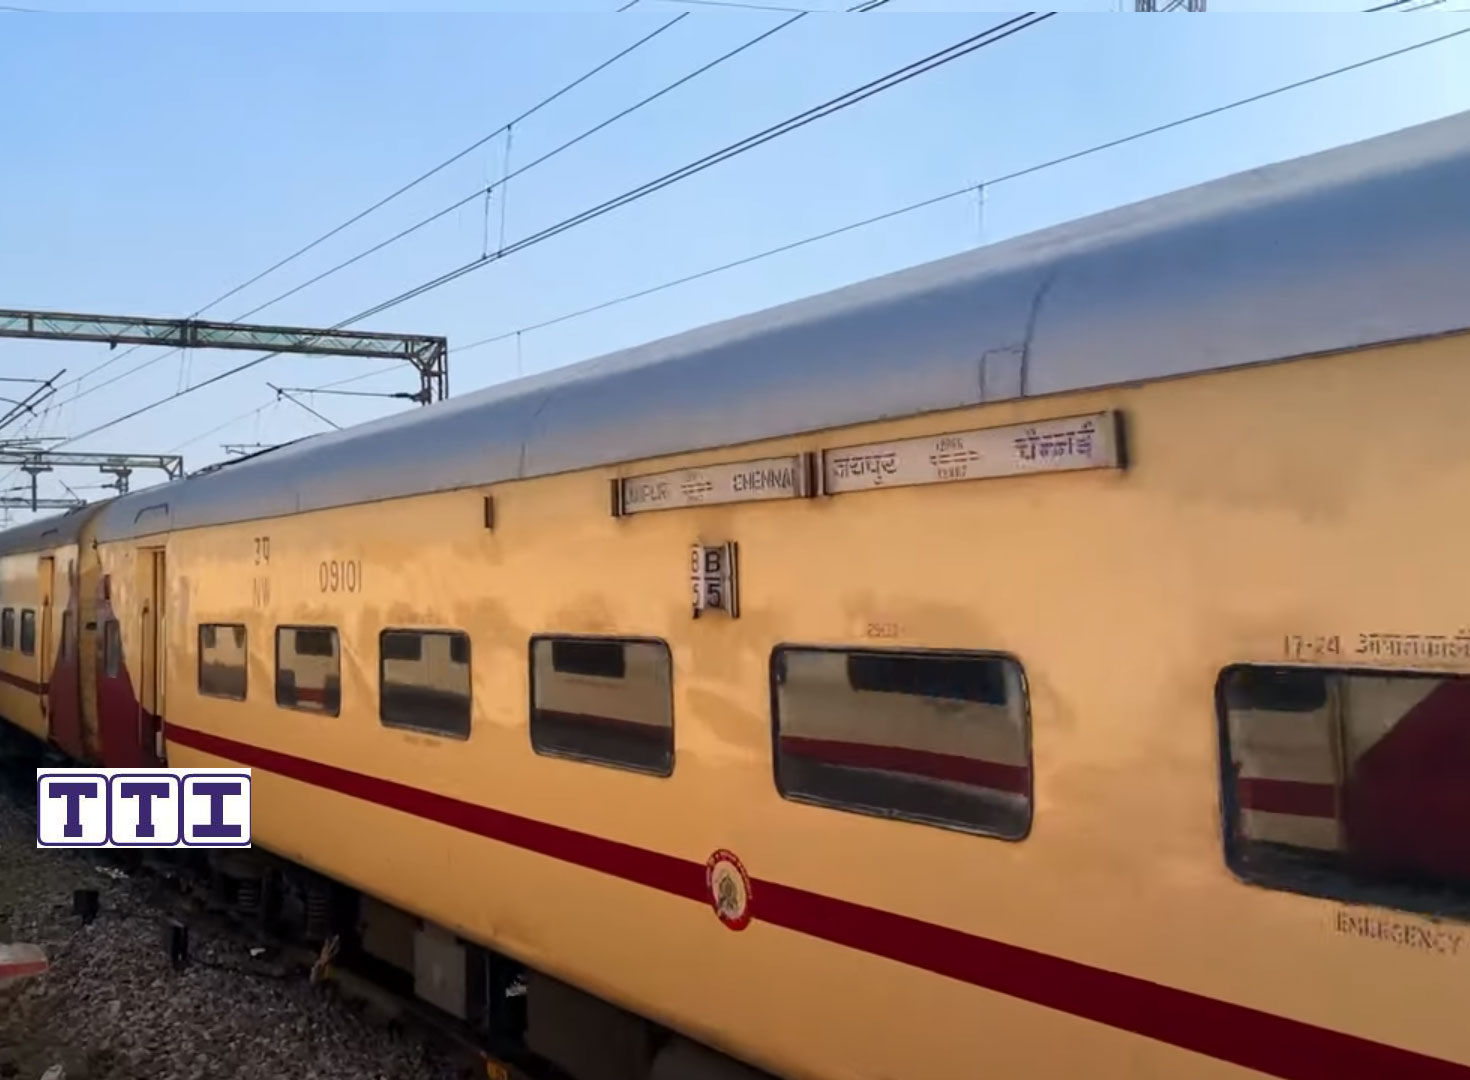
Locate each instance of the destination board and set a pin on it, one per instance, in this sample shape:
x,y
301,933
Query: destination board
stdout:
x,y
727,482
1059,445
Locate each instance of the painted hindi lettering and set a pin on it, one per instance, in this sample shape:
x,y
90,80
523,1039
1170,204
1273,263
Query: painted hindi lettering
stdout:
x,y
1064,444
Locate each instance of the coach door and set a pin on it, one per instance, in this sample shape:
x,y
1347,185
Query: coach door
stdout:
x,y
44,652
150,675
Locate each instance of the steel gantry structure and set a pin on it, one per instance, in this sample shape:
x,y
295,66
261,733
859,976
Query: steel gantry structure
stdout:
x,y
34,462
428,355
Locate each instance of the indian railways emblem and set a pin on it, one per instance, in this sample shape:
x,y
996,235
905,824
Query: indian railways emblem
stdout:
x,y
729,889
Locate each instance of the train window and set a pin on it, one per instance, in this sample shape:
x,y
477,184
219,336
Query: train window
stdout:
x,y
604,700
941,738
222,660
7,628
405,645
308,669
111,649
28,632
424,681
602,659
1349,784
68,622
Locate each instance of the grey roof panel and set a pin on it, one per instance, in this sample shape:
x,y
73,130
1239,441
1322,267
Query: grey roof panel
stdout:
x,y
47,532
1381,259
1338,250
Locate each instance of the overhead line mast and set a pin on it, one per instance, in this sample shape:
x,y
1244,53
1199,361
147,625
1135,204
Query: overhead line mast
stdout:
x,y
429,355
35,462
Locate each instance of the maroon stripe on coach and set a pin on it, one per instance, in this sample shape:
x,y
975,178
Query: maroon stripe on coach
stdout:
x,y
634,864
1248,1037
25,684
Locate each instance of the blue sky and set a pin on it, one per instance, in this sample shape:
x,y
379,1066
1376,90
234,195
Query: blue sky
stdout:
x,y
152,162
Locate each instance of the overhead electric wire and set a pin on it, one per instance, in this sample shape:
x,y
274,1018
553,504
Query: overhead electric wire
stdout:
x,y
994,34
471,148
228,423
875,219
464,201
385,200
344,264
933,200
911,207
452,207
355,378
340,266
739,4
297,401
401,395
528,166
687,278
895,78
274,401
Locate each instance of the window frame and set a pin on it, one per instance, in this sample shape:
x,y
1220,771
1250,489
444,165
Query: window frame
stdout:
x,y
199,662
336,651
1322,880
1001,655
21,635
589,759
470,676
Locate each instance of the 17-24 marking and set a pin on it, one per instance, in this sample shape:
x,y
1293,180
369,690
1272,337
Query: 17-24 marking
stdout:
x,y
1309,647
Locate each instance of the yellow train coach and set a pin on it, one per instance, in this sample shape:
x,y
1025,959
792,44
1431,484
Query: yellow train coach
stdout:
x,y
1046,662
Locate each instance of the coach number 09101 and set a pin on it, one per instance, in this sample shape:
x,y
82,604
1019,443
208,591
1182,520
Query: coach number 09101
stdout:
x,y
340,575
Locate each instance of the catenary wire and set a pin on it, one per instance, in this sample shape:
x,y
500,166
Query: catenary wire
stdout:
x,y
943,197
441,166
455,206
875,219
852,97
471,197
738,4
404,189
994,34
528,166
1051,163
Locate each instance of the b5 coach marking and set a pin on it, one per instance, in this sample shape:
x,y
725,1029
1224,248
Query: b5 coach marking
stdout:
x,y
145,808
